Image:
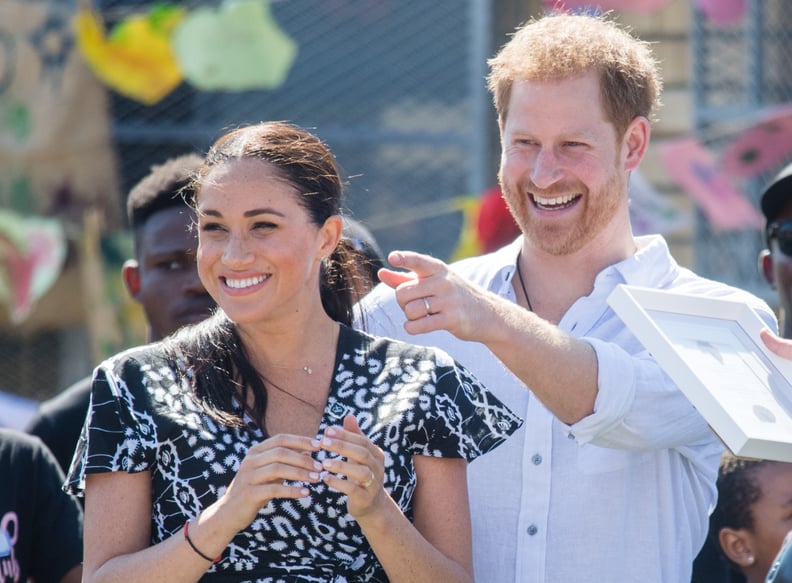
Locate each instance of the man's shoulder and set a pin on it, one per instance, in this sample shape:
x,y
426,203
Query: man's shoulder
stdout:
x,y
18,447
390,346
688,282
75,396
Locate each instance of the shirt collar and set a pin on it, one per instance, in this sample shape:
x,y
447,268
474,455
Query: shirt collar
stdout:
x,y
650,266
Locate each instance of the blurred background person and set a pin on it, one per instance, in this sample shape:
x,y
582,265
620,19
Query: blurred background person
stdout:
x,y
40,524
775,262
712,565
161,277
364,244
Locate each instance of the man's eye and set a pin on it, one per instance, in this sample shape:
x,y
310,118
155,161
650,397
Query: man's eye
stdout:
x,y
172,265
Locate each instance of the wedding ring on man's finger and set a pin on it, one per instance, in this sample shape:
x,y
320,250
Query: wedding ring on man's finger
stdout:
x,y
367,484
429,311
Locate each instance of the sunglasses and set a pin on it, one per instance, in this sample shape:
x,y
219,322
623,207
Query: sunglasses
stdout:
x,y
781,232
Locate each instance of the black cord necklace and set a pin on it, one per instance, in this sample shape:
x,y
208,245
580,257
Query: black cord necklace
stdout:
x,y
522,283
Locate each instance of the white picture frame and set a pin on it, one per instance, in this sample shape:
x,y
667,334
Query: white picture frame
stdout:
x,y
711,349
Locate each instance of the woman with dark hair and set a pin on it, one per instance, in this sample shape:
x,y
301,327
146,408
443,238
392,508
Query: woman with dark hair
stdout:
x,y
273,442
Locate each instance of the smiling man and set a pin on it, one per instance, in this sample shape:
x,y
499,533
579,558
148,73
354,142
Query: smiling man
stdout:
x,y
612,475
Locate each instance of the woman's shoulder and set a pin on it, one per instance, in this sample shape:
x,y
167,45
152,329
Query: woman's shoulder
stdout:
x,y
152,354
392,347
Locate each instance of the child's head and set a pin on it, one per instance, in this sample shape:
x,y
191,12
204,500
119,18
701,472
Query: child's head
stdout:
x,y
753,514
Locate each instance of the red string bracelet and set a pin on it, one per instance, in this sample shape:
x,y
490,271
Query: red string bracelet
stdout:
x,y
192,544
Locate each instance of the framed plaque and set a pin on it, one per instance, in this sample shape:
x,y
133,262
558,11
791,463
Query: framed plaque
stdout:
x,y
711,348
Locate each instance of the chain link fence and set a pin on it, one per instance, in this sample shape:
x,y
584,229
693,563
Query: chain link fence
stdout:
x,y
739,70
396,89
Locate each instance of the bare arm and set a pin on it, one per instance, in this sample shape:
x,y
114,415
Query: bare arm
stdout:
x,y
117,534
118,508
438,546
560,370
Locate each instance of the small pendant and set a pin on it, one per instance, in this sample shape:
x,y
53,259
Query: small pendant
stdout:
x,y
308,369
337,410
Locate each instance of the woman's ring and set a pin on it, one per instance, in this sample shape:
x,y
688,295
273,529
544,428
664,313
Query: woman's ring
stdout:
x,y
429,311
367,484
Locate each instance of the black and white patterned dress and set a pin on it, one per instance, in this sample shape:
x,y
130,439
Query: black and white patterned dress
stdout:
x,y
409,400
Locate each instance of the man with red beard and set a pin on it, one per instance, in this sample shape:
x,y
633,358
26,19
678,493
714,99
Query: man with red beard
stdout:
x,y
612,475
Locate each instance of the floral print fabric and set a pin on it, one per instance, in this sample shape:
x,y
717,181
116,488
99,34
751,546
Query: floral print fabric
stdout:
x,y
408,400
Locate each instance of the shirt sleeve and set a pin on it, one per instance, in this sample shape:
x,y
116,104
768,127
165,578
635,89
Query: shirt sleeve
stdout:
x,y
461,417
632,388
118,434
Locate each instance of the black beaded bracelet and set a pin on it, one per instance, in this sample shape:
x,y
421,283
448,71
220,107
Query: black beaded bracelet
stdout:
x,y
192,544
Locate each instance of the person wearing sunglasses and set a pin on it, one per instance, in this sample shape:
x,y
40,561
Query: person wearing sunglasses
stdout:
x,y
775,262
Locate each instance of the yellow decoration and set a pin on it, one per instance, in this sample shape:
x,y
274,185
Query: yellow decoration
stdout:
x,y
136,59
469,243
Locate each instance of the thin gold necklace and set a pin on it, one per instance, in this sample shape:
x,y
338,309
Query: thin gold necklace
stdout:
x,y
314,406
522,284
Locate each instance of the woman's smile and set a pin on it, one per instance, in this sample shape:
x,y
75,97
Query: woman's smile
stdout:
x,y
244,283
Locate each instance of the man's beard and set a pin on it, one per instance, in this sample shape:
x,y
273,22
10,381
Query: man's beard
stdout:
x,y
564,239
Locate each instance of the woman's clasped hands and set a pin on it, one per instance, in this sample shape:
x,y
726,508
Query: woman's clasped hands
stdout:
x,y
358,469
283,465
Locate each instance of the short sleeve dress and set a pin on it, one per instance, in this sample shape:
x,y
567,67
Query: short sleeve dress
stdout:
x,y
408,400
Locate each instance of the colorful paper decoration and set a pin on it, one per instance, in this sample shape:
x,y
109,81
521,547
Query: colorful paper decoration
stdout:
x,y
695,169
135,59
235,47
723,12
32,252
487,223
468,243
645,6
650,211
720,12
762,147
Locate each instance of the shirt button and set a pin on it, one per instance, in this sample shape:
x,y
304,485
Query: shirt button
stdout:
x,y
536,459
532,530
571,436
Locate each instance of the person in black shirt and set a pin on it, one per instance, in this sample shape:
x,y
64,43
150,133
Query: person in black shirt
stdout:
x,y
40,524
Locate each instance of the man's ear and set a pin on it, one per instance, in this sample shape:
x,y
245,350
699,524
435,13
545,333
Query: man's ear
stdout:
x,y
766,266
131,274
635,142
736,545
